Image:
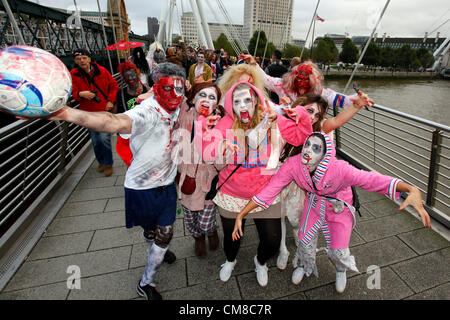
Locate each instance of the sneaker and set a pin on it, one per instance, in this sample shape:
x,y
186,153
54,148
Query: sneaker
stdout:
x,y
149,292
341,281
261,273
282,259
148,236
101,167
169,257
297,275
108,171
227,268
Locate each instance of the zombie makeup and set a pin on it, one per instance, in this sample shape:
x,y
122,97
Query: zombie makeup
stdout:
x,y
131,78
302,83
244,102
200,58
169,92
205,101
313,112
313,152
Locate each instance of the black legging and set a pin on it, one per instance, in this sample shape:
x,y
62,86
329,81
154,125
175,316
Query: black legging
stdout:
x,y
269,231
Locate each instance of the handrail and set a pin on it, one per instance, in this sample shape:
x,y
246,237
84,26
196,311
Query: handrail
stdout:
x,y
375,146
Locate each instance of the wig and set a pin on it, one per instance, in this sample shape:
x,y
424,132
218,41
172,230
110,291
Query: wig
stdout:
x,y
196,88
155,54
126,65
233,73
139,60
315,79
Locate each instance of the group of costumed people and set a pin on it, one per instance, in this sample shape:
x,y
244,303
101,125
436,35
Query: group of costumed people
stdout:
x,y
225,148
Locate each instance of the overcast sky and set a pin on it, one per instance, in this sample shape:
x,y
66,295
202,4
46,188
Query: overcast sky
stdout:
x,y
404,18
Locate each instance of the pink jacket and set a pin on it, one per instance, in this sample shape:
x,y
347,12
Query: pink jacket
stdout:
x,y
251,177
332,178
190,164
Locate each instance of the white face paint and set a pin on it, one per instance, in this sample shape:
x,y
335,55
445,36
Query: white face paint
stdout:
x,y
244,104
313,152
313,111
205,101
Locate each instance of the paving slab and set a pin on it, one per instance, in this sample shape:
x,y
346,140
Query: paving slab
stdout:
x,y
48,271
112,286
295,296
57,291
100,182
424,240
115,204
387,226
71,209
381,208
49,247
115,237
381,253
391,288
280,283
366,196
425,272
211,290
117,171
98,193
86,223
438,293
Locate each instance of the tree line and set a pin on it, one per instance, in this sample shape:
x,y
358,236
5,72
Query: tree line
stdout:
x,y
326,52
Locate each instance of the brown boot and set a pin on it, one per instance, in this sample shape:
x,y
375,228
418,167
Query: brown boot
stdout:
x,y
108,171
213,241
101,167
200,246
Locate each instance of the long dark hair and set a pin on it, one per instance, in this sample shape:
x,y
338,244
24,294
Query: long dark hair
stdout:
x,y
289,150
140,61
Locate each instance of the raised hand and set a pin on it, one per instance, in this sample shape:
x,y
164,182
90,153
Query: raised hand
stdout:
x,y
363,100
212,120
415,199
292,114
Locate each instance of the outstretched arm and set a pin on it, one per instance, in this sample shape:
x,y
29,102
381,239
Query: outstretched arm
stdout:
x,y
97,121
344,116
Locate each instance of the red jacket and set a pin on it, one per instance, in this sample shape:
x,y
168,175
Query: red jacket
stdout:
x,y
102,79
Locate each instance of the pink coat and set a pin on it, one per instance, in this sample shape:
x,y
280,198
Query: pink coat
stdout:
x,y
251,177
190,164
332,178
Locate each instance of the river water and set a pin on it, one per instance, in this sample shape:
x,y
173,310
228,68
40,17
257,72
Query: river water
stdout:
x,y
428,99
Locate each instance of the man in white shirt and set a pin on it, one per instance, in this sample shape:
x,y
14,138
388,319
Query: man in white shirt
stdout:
x,y
150,193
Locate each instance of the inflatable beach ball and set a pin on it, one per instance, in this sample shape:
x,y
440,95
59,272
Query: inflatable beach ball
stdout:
x,y
33,82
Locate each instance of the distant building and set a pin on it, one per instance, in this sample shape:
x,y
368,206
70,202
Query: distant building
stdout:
x,y
190,33
272,17
338,41
298,42
431,43
152,27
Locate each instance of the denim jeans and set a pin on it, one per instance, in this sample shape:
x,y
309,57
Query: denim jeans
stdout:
x,y
101,143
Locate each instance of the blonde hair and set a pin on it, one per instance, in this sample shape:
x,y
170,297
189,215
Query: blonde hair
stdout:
x,y
232,75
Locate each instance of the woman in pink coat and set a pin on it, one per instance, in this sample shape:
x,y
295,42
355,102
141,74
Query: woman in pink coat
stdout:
x,y
252,144
327,207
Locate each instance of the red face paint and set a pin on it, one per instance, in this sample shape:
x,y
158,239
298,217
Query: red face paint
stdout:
x,y
302,74
169,93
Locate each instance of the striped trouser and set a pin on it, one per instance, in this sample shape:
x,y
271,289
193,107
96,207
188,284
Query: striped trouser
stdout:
x,y
201,222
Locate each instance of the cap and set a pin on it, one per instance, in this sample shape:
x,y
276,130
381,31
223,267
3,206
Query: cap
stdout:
x,y
81,52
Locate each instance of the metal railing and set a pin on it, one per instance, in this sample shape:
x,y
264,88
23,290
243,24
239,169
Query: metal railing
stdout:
x,y
398,144
33,153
